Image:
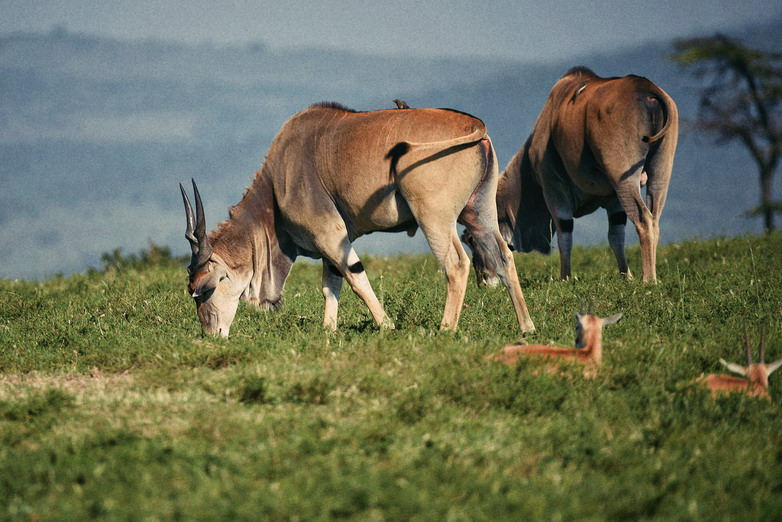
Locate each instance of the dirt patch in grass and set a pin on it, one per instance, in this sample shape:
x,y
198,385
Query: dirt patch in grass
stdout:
x,y
78,385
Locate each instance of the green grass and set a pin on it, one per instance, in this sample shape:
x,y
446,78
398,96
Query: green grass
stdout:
x,y
112,405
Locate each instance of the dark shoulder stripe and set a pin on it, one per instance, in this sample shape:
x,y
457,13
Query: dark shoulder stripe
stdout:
x,y
331,105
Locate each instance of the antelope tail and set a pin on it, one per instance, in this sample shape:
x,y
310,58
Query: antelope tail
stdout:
x,y
403,147
667,108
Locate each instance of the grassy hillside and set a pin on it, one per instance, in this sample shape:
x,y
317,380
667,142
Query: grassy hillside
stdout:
x,y
113,405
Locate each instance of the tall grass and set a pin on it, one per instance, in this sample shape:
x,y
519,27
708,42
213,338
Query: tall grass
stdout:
x,y
112,405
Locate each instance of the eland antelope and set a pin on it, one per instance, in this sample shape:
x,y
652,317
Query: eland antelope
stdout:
x,y
754,376
588,350
596,142
332,175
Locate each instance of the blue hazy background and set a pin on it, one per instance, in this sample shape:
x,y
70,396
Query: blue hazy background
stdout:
x,y
106,106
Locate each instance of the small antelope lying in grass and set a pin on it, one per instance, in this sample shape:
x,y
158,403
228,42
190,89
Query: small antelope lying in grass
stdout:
x,y
755,376
588,350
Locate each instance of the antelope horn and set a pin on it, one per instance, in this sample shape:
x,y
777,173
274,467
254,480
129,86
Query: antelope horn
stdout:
x,y
591,306
190,220
747,348
200,228
763,344
582,306
196,229
204,248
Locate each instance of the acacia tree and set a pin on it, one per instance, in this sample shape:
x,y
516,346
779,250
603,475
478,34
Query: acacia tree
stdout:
x,y
740,100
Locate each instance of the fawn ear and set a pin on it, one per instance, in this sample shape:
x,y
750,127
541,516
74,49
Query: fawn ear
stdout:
x,y
612,320
773,366
735,368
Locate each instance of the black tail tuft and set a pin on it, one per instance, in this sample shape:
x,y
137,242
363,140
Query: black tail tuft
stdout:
x,y
398,150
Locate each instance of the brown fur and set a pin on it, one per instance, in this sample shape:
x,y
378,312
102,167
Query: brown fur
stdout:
x,y
595,143
588,351
754,380
332,175
718,384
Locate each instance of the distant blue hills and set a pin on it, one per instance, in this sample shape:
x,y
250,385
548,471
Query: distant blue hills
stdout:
x,y
96,133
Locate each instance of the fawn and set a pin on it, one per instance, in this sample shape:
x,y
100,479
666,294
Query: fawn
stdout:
x,y
755,381
588,351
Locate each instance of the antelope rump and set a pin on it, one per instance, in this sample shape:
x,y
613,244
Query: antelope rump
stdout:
x,y
596,142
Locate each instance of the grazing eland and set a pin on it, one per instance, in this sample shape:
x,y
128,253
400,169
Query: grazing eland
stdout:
x,y
595,144
332,175
588,350
754,377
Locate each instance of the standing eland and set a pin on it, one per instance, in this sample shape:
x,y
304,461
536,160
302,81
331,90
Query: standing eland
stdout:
x,y
332,175
595,144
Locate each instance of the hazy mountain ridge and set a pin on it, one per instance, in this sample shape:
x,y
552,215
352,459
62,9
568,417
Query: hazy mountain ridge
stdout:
x,y
95,133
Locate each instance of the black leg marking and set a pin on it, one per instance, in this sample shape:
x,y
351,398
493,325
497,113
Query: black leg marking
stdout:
x,y
356,268
566,225
619,218
334,270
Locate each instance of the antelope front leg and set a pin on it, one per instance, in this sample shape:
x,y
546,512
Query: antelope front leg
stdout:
x,y
511,282
340,254
332,285
356,276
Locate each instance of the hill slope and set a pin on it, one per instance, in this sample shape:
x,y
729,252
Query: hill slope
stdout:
x,y
112,406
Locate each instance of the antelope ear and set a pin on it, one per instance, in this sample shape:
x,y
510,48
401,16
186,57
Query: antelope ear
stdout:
x,y
735,368
612,320
773,366
206,280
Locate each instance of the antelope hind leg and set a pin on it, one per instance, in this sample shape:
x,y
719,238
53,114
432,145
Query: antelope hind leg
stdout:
x,y
628,190
456,265
509,277
332,285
